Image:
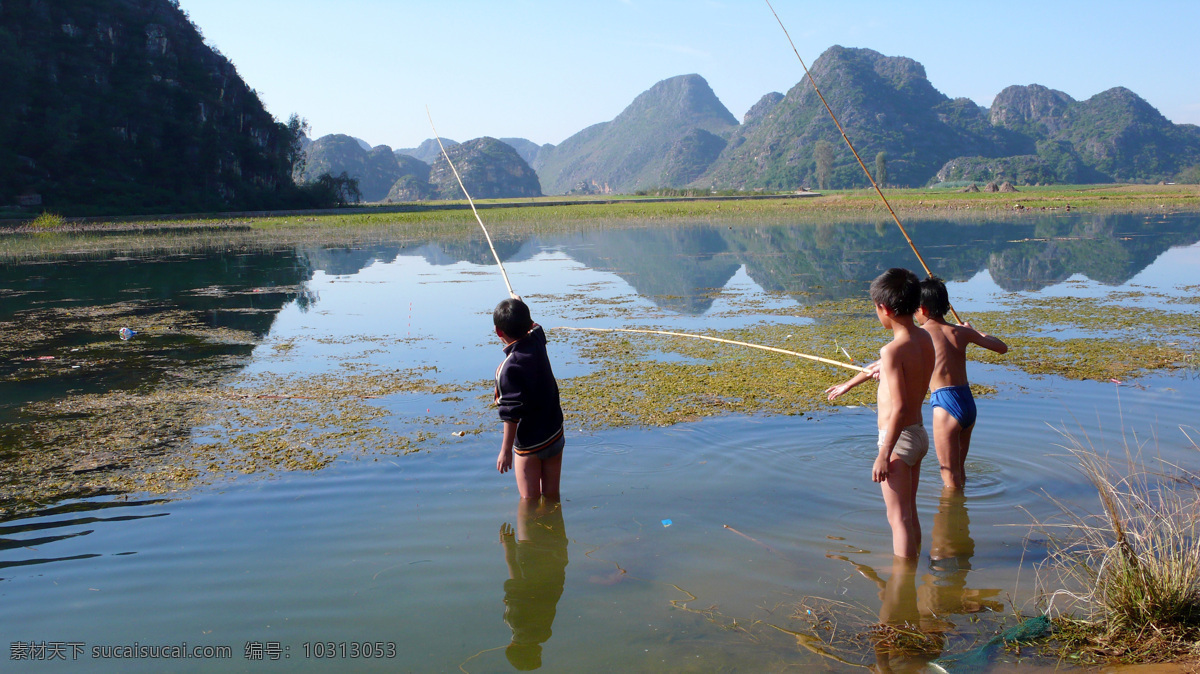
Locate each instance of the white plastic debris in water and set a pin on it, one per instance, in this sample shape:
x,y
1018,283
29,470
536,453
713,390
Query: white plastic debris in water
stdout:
x,y
126,333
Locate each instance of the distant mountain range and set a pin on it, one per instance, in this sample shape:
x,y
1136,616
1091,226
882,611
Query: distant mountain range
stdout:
x,y
677,134
489,169
119,106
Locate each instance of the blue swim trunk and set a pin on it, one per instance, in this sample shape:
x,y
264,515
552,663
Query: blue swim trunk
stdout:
x,y
956,400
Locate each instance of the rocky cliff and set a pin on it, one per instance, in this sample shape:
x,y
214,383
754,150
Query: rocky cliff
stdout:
x,y
1112,136
489,170
118,105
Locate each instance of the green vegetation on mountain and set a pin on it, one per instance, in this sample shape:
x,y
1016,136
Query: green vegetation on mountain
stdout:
x,y
489,169
1056,161
1112,136
886,104
410,188
376,170
1122,135
689,156
630,152
119,106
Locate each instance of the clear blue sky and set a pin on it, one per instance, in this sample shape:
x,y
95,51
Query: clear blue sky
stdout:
x,y
545,70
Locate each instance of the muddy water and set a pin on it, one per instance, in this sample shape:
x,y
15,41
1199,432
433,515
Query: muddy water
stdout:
x,y
681,548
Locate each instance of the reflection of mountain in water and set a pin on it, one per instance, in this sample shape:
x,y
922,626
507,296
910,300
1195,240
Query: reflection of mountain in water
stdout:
x,y
833,261
234,291
476,251
348,260
678,267
1108,249
675,267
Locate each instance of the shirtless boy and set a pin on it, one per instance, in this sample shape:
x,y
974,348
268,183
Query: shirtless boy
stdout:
x,y
905,366
953,405
527,399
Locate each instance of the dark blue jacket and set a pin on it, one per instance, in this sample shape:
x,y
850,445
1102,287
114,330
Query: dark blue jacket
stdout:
x,y
527,393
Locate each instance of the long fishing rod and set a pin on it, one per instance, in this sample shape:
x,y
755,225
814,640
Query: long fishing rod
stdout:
x,y
855,152
470,201
724,341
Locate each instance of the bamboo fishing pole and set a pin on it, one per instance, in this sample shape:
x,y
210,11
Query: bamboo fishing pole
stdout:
x,y
470,201
855,152
818,359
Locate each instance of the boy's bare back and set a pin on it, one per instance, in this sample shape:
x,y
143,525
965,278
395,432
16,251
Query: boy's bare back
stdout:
x,y
950,345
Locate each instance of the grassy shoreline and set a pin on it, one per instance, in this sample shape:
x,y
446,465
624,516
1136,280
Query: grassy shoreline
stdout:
x,y
517,218
909,201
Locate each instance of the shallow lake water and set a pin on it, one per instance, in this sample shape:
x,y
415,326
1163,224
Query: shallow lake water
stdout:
x,y
681,548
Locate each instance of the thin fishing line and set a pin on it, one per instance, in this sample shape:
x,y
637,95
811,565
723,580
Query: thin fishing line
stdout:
x,y
470,201
855,152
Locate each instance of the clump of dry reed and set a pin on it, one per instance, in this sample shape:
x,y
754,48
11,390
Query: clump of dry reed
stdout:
x,y
1124,581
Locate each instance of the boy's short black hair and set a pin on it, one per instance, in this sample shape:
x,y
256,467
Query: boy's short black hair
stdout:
x,y
934,297
512,317
897,289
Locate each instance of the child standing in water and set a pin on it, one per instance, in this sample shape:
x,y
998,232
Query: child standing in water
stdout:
x,y
527,397
953,405
905,366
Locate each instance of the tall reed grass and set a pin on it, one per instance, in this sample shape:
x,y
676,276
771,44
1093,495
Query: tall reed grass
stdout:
x,y
1124,579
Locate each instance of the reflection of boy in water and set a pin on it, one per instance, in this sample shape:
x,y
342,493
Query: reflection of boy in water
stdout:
x,y
899,608
537,568
951,548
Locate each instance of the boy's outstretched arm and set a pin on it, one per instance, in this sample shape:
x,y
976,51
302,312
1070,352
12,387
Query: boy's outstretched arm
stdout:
x,y
837,390
985,340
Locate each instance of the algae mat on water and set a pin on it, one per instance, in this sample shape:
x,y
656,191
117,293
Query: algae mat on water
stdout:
x,y
186,417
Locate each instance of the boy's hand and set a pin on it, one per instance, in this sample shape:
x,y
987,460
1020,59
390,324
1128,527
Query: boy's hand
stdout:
x,y
879,470
837,390
873,370
504,461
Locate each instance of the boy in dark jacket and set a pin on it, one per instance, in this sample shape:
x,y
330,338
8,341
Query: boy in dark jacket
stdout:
x,y
527,398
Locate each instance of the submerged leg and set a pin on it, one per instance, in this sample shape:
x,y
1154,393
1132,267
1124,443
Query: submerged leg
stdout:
x,y
528,470
551,474
965,443
947,444
899,496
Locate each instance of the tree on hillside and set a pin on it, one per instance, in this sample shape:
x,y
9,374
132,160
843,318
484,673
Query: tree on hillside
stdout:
x,y
297,129
881,175
823,154
330,190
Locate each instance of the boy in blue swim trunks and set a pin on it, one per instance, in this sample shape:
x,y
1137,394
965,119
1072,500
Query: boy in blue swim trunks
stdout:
x,y
953,405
